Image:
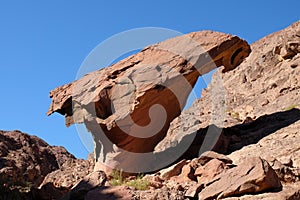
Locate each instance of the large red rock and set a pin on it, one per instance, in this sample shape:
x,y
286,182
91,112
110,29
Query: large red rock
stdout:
x,y
252,176
132,102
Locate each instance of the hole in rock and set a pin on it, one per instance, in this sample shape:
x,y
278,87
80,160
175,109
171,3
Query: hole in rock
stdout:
x,y
201,84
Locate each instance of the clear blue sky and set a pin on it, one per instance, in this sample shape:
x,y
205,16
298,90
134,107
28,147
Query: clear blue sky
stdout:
x,y
43,44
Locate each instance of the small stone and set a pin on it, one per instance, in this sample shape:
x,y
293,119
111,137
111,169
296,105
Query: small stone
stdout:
x,y
211,169
173,170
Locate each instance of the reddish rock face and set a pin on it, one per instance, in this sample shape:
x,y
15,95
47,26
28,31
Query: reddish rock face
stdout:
x,y
257,176
131,103
26,159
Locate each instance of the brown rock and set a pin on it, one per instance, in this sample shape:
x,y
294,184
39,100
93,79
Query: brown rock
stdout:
x,y
26,160
49,191
269,86
69,173
173,170
186,174
118,98
193,190
211,155
93,180
282,145
252,176
154,181
211,169
288,192
110,193
175,192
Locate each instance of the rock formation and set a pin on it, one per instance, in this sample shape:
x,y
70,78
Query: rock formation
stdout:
x,y
249,117
268,90
26,161
129,105
260,116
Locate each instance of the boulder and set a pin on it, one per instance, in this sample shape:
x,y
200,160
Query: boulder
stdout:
x,y
209,171
252,176
110,193
88,183
128,106
211,155
173,170
288,192
280,149
69,173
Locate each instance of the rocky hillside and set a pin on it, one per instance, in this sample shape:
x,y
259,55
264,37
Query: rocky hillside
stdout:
x,y
27,161
241,141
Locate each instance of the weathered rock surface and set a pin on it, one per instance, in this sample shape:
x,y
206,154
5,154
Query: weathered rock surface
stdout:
x,y
132,103
252,176
261,119
209,171
281,149
211,155
70,172
27,159
172,193
111,193
173,170
289,192
90,182
261,104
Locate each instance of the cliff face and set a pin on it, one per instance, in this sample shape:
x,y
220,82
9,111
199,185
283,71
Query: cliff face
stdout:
x,y
249,117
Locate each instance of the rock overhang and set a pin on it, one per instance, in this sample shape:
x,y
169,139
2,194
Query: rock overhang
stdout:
x,y
133,101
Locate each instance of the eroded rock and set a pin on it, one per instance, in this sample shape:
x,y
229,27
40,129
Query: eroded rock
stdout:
x,y
70,173
252,176
131,103
173,170
258,98
94,180
209,171
25,160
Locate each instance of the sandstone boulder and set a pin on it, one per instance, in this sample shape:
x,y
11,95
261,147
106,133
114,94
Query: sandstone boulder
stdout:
x,y
288,192
111,193
131,103
211,155
209,171
173,170
94,180
252,176
280,149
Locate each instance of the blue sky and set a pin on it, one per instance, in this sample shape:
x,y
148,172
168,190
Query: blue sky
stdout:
x,y
43,43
